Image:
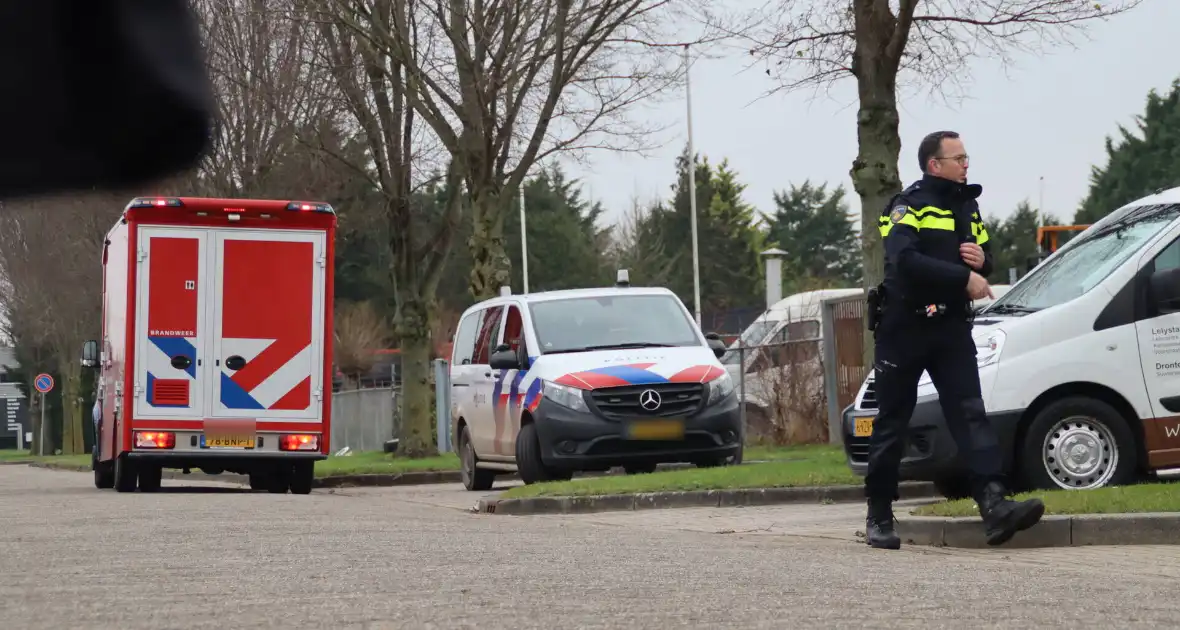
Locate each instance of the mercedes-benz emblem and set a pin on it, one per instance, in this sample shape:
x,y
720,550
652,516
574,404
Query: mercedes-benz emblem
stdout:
x,y
649,400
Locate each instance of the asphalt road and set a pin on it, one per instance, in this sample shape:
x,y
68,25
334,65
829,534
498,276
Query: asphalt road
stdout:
x,y
212,556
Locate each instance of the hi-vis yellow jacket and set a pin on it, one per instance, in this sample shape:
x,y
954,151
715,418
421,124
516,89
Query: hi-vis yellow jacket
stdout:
x,y
922,227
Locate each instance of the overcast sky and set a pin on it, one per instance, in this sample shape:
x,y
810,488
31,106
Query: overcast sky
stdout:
x,y
1046,116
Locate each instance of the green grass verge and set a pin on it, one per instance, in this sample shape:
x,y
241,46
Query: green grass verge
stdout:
x,y
24,456
1146,497
10,455
377,462
791,467
784,453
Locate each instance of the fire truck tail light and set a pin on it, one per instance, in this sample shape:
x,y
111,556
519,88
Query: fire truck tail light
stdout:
x,y
154,439
299,443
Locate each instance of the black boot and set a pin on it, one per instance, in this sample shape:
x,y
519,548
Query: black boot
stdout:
x,y
1003,517
879,531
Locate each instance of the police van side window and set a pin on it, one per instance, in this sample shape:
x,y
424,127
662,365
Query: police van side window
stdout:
x,y
1169,258
489,332
465,339
514,329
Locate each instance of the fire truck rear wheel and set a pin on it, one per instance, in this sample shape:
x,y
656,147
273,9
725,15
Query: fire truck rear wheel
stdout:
x,y
104,472
302,477
126,477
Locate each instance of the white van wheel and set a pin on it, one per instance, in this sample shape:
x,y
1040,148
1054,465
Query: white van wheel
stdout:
x,y
1078,443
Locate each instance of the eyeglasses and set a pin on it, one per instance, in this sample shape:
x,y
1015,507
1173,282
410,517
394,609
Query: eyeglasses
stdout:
x,y
961,159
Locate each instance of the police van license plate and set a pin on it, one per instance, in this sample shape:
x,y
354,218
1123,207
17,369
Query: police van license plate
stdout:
x,y
862,427
661,429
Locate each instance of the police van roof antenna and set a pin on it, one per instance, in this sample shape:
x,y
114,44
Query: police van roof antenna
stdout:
x,y
623,279
505,291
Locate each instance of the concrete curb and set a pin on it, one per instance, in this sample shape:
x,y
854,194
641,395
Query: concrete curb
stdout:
x,y
386,480
695,498
1146,528
58,466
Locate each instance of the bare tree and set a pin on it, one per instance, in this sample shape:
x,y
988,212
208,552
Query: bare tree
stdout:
x,y
378,91
922,42
637,246
359,332
504,84
51,264
257,58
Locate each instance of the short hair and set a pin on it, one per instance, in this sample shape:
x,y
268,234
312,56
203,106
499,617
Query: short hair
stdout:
x,y
930,146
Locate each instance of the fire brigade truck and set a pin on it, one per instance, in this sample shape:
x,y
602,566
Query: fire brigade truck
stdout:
x,y
216,350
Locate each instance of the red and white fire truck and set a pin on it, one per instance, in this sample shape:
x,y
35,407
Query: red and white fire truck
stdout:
x,y
216,350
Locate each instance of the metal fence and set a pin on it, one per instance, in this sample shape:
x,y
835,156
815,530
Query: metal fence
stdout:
x,y
781,389
845,368
364,419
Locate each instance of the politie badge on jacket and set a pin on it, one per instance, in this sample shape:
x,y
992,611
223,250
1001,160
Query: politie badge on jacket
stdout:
x,y
897,214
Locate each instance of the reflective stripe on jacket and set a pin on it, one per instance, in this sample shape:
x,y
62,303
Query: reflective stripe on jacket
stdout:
x,y
922,228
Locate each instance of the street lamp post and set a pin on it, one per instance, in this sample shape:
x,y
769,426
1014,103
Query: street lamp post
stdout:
x,y
524,243
692,194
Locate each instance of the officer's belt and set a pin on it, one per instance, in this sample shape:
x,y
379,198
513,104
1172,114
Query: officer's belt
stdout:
x,y
931,310
940,309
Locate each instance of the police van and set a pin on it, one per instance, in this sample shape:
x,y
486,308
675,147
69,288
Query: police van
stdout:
x,y
549,384
1079,364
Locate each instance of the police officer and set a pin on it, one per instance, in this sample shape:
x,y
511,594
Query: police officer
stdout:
x,y
937,258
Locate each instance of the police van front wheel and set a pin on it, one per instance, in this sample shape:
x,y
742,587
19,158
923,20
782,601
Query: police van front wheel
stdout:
x,y
1078,443
528,458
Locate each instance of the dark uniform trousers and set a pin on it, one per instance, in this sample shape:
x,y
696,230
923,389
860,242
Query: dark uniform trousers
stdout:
x,y
906,345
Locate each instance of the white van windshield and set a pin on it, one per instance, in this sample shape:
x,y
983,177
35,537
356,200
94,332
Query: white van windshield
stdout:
x,y
804,330
751,336
1087,261
612,321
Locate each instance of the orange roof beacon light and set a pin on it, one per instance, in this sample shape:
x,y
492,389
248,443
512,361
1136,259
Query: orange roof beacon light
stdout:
x,y
1047,235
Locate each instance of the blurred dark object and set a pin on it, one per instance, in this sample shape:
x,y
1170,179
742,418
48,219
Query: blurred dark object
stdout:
x,y
104,94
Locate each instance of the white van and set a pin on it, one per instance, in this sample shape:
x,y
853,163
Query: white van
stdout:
x,y
1079,364
548,384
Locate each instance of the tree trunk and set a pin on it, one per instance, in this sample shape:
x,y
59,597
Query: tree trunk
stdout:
x,y
72,436
490,266
874,172
417,422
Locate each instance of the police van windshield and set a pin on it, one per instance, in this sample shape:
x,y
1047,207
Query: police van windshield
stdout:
x,y
612,321
1087,261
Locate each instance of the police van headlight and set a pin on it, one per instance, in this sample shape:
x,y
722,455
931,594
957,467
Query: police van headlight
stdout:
x,y
988,348
719,388
564,395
